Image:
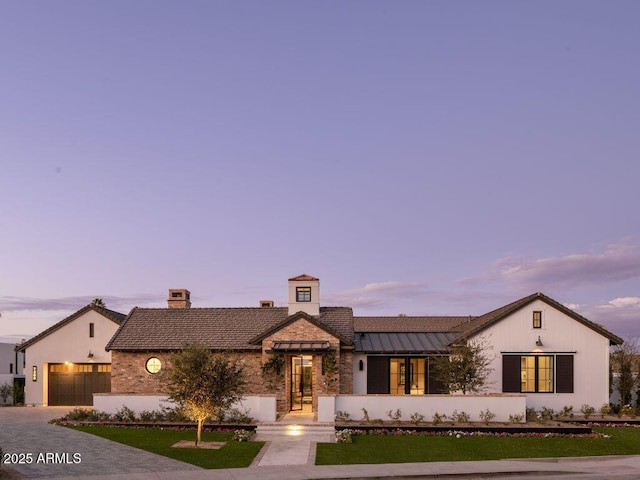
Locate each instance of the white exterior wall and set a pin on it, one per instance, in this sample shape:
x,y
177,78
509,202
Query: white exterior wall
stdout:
x,y
559,334
260,407
377,406
359,377
70,343
8,359
311,308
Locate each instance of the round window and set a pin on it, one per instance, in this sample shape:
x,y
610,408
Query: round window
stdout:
x,y
153,365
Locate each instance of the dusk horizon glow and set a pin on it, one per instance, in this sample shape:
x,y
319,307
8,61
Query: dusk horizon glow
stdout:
x,y
424,158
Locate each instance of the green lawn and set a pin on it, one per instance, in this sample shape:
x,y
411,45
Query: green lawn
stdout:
x,y
419,448
231,455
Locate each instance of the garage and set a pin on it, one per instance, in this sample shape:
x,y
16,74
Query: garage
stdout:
x,y
75,383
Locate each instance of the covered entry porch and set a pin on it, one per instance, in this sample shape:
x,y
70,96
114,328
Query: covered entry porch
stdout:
x,y
304,375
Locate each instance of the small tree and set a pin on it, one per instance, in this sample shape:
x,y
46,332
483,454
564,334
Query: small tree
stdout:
x,y
203,384
6,391
98,302
624,362
467,368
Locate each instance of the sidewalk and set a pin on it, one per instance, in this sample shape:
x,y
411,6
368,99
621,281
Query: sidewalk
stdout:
x,y
622,467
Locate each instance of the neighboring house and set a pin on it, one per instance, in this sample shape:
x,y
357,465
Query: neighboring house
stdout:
x,y
540,349
11,364
67,363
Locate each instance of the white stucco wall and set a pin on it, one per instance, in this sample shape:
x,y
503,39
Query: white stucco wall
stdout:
x,y
377,406
312,307
359,377
70,343
260,407
10,360
559,334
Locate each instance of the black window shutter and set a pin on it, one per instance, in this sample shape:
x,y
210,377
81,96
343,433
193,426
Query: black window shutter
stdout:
x,y
434,384
377,374
511,373
564,373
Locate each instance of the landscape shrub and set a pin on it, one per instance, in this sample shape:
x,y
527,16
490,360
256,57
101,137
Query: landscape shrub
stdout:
x,y
395,416
587,411
416,418
487,415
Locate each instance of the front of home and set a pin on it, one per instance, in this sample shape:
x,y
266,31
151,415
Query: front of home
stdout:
x,y
307,357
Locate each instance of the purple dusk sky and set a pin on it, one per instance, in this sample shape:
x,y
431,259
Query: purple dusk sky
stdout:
x,y
423,157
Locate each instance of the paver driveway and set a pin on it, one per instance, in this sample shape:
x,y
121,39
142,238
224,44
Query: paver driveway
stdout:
x,y
25,430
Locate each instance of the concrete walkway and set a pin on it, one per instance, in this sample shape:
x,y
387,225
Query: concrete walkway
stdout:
x,y
292,440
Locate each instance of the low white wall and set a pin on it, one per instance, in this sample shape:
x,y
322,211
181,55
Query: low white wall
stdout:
x,y
262,408
377,406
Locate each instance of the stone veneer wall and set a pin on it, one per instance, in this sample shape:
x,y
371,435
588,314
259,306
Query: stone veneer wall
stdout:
x,y
346,372
303,330
129,375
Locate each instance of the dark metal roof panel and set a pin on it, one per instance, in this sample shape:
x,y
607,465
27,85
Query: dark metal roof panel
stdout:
x,y
403,342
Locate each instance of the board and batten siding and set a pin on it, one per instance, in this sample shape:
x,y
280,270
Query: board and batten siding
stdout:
x,y
581,356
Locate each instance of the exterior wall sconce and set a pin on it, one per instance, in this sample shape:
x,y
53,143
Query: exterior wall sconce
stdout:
x,y
34,373
539,342
90,354
361,365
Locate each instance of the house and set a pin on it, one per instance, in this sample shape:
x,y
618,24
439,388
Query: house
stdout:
x,y
67,363
11,365
543,354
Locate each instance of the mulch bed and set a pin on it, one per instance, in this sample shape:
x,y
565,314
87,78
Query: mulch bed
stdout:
x,y
203,445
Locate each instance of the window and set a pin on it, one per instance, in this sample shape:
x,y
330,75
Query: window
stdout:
x,y
303,294
537,319
91,330
11,368
153,365
537,373
402,376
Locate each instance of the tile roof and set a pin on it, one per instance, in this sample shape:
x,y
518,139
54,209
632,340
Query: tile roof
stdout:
x,y
303,278
409,324
112,315
215,328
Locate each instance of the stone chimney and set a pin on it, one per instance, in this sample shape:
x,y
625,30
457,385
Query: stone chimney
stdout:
x,y
179,298
304,295
266,303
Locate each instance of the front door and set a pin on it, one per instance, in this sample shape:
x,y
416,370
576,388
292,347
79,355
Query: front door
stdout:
x,y
301,382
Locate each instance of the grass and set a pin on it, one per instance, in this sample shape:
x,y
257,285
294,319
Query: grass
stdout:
x,y
423,448
232,455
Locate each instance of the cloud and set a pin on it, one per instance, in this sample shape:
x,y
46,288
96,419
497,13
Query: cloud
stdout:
x,y
618,262
620,315
123,304
377,294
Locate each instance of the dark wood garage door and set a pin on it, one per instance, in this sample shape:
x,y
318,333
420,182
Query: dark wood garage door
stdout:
x,y
75,383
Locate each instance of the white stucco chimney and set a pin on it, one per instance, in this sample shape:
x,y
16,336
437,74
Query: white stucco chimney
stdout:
x,y
304,295
179,298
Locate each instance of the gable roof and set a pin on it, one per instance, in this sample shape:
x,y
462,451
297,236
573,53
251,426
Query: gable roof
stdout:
x,y
336,321
215,328
478,324
112,315
304,278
